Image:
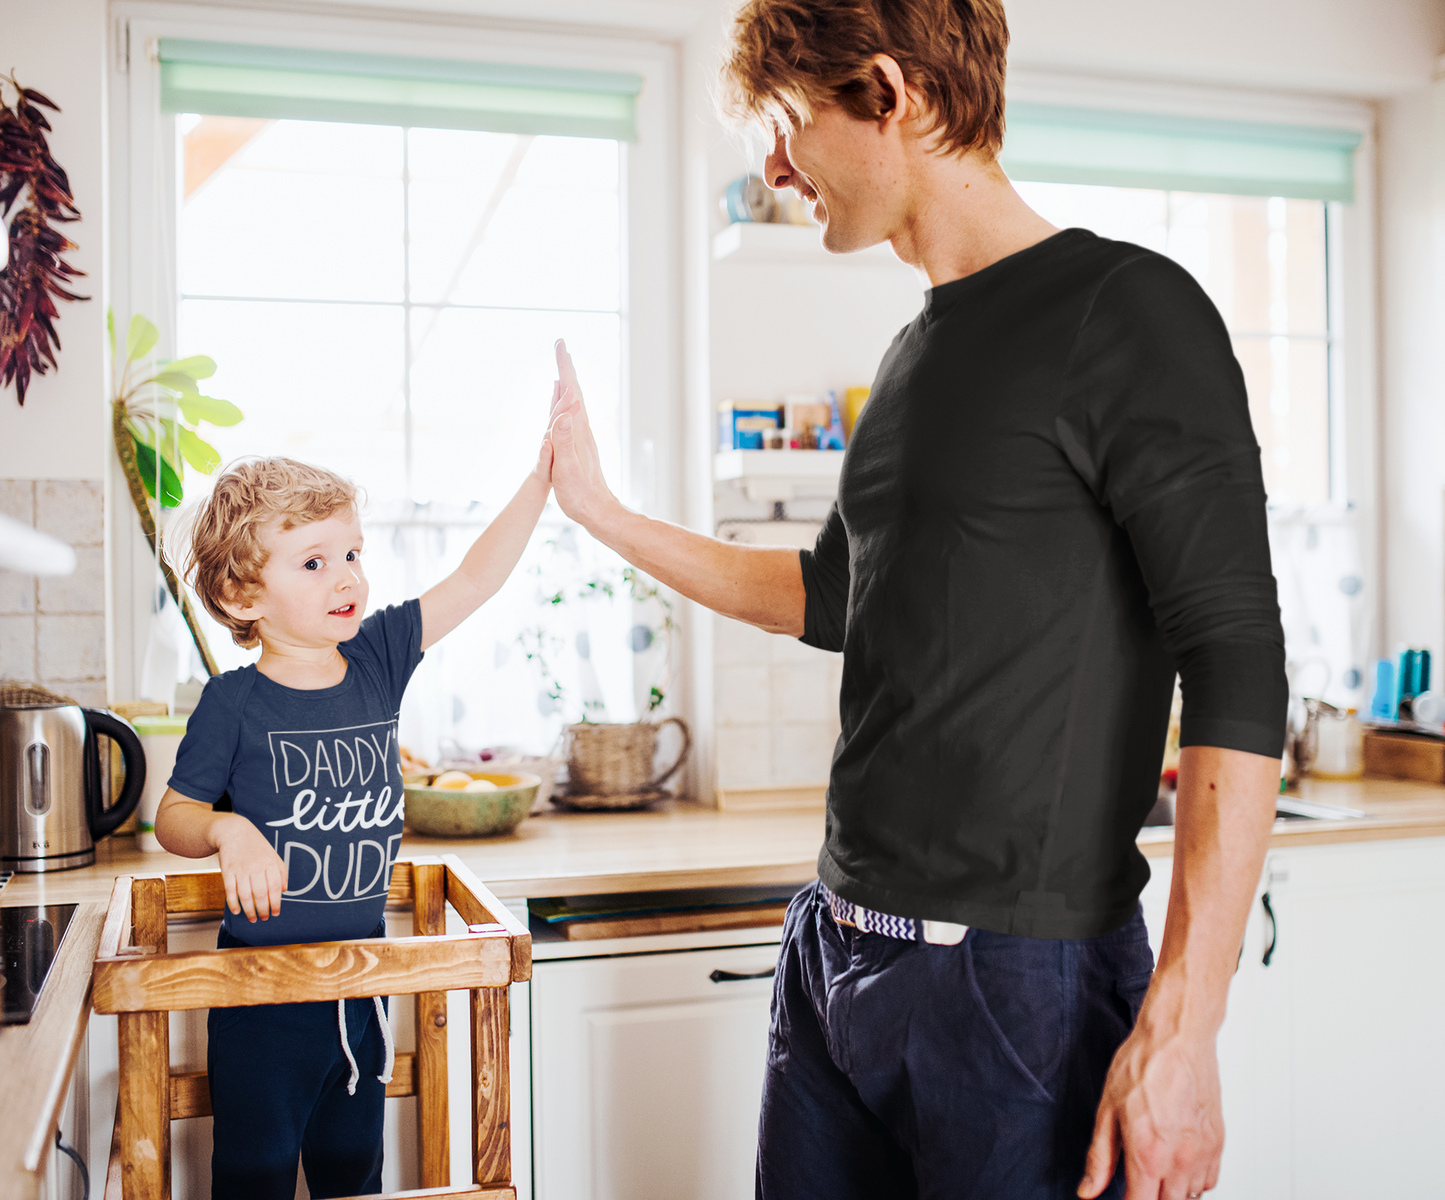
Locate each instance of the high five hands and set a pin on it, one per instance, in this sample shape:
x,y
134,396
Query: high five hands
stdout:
x,y
577,479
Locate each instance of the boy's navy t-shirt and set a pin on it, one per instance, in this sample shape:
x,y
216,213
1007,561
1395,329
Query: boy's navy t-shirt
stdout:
x,y
318,772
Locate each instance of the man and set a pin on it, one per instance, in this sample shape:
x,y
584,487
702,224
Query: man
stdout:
x,y
1052,502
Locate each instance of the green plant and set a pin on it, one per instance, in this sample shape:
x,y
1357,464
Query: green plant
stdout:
x,y
541,646
154,414
160,407
33,273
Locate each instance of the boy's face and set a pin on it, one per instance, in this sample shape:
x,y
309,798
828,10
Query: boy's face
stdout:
x,y
313,590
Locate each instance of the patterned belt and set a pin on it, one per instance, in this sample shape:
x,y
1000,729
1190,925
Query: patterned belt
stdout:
x,y
908,929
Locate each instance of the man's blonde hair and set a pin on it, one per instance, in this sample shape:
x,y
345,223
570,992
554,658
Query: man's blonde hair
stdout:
x,y
786,58
223,551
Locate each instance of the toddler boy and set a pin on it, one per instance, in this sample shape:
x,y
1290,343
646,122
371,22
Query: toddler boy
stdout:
x,y
304,743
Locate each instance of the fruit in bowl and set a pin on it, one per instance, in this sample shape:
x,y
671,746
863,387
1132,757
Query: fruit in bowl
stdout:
x,y
468,803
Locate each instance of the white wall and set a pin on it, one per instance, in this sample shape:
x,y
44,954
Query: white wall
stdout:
x,y
59,48
1412,336
1340,47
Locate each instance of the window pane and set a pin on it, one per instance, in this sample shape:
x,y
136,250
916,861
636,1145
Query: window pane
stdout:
x,y
1289,404
481,389
320,382
303,209
514,221
1262,261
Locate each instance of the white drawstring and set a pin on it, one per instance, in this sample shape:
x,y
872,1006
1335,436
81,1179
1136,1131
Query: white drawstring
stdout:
x,y
386,1040
346,1046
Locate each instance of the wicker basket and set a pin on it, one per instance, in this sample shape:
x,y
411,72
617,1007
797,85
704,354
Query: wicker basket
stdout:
x,y
611,766
15,693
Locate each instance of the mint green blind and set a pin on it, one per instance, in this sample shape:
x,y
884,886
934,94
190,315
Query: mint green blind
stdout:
x,y
1054,144
224,79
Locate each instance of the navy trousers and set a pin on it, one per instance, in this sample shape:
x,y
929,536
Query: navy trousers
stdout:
x,y
278,1080
904,1071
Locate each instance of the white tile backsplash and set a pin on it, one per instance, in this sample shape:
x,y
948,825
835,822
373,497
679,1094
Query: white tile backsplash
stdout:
x,y
776,708
743,694
72,510
744,755
52,630
17,647
17,499
69,648
736,643
802,752
800,692
83,591
17,594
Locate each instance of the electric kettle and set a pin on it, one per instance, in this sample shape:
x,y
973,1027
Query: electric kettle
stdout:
x,y
50,797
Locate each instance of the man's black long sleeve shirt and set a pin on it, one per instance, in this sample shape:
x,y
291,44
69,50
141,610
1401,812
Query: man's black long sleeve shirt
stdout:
x,y
1051,503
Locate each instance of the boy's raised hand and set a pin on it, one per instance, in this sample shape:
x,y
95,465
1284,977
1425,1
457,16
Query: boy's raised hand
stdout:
x,y
252,872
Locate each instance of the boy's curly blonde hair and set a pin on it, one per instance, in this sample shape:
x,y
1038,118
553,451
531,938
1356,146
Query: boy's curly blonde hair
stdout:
x,y
222,550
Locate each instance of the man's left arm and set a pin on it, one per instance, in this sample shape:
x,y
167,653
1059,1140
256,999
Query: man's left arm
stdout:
x,y
1161,1104
1157,421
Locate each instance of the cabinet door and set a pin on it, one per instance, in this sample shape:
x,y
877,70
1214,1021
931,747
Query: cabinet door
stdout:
x,y
1360,936
1253,1058
647,1075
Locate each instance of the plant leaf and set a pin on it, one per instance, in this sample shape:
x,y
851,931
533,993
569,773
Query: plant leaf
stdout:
x,y
198,366
140,340
209,408
145,461
177,381
200,454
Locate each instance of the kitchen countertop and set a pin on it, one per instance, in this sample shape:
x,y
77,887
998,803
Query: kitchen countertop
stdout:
x,y
679,845
683,845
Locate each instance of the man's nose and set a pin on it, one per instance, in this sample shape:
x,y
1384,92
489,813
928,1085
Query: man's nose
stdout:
x,y
777,168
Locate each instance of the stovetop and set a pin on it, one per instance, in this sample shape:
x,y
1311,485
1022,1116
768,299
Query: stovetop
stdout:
x,y
31,937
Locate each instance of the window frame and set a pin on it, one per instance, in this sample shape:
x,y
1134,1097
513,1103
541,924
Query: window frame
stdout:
x,y
1351,276
144,206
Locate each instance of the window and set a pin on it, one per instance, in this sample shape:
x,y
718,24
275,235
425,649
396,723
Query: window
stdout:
x,y
1263,262
1245,207
379,252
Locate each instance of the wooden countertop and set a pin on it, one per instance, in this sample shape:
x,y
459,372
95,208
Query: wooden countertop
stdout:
x,y
37,1060
684,845
557,854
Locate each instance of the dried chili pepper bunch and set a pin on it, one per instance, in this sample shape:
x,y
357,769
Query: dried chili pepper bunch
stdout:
x,y
34,273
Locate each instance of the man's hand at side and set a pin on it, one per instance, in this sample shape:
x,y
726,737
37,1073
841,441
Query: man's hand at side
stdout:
x,y
1161,1107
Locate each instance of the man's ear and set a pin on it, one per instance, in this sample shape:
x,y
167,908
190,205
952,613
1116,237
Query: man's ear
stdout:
x,y
894,91
892,88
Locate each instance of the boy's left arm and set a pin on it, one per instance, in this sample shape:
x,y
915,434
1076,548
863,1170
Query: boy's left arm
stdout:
x,y
491,558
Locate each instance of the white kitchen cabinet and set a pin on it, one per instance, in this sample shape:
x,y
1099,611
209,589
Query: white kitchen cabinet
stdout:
x,y
647,1074
1331,1055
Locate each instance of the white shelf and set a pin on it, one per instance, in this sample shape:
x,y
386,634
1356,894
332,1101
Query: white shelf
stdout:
x,y
757,243
770,475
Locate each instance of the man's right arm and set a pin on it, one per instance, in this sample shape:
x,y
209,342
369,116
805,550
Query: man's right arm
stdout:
x,y
762,585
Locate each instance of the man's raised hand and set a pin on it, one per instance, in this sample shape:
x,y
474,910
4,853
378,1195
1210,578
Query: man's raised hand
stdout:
x,y
577,479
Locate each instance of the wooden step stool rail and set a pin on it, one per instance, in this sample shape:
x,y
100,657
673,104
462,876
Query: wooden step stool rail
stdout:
x,y
138,980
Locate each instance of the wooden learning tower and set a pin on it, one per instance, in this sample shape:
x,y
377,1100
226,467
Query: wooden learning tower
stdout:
x,y
139,981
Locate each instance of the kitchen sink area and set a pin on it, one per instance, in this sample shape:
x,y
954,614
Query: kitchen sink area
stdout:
x,y
1289,810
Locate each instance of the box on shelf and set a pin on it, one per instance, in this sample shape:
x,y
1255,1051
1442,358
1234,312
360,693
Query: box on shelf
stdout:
x,y
744,426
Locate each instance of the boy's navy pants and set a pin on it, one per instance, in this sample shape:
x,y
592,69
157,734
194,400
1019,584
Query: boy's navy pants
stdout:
x,y
900,1070
278,1080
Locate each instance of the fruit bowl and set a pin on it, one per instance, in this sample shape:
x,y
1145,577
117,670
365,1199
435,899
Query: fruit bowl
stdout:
x,y
452,812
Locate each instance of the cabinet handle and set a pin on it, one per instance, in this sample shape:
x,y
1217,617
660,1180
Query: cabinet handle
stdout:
x,y
1273,929
70,1152
734,976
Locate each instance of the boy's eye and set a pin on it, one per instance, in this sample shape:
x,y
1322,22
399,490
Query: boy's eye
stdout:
x,y
312,564
353,555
